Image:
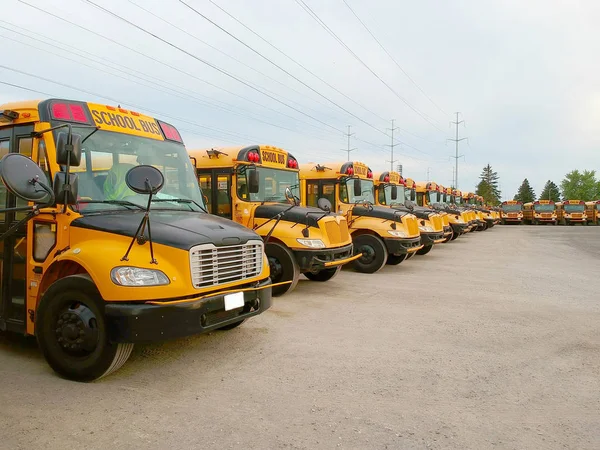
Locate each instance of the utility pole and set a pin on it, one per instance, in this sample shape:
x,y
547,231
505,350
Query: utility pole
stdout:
x,y
348,150
453,185
392,145
428,169
457,140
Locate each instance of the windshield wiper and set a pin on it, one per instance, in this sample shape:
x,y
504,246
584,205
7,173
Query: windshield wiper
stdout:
x,y
114,202
180,200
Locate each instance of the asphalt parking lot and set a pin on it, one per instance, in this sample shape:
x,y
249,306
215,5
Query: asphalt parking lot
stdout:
x,y
490,341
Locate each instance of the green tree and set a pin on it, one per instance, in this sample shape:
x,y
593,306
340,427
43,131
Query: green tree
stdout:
x,y
580,185
525,193
488,186
550,192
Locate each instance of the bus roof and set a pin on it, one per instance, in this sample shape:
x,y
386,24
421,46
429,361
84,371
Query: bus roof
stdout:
x,y
410,183
511,202
260,155
104,117
335,170
574,202
390,177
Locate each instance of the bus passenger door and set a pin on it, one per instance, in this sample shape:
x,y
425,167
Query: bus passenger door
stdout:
x,y
216,186
13,250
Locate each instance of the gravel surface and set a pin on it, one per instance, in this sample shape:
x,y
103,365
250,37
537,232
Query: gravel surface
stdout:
x,y
490,341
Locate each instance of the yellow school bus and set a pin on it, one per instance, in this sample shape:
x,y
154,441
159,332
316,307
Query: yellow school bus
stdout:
x,y
540,212
390,192
459,203
126,252
470,202
592,211
380,235
570,212
432,199
489,215
511,212
258,187
459,220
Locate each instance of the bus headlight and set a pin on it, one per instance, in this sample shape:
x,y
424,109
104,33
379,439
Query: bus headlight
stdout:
x,y
425,228
136,276
398,233
312,243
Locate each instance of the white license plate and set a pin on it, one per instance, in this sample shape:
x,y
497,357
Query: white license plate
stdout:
x,y
233,301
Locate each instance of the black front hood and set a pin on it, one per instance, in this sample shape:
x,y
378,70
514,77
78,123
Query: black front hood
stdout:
x,y
379,212
298,214
418,211
177,229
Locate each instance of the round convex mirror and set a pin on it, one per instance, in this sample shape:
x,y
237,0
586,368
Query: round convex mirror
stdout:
x,y
144,179
21,175
324,204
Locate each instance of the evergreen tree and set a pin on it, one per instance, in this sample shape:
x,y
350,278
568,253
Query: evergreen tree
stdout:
x,y
580,185
550,192
525,193
488,186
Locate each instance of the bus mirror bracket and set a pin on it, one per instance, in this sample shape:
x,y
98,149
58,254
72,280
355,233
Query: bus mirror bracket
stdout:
x,y
357,187
144,180
253,182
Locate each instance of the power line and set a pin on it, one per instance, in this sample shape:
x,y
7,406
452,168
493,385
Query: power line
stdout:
x,y
212,66
274,64
312,14
225,54
394,60
157,60
294,61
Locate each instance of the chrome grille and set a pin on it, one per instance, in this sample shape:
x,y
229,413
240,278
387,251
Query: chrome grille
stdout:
x,y
546,215
213,266
577,215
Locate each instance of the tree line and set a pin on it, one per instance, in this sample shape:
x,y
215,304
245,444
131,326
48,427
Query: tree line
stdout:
x,y
575,186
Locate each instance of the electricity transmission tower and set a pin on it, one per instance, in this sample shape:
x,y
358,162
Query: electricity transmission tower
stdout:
x,y
456,140
348,150
392,145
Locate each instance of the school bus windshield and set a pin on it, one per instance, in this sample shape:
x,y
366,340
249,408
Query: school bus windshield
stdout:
x,y
458,200
272,185
385,195
107,157
511,208
347,191
544,208
433,197
574,208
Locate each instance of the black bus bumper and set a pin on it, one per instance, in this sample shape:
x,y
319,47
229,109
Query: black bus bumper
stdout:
x,y
428,239
460,228
143,322
316,259
402,246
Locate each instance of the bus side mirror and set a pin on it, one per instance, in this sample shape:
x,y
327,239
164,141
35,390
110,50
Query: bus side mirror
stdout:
x,y
357,187
253,184
65,191
394,192
68,153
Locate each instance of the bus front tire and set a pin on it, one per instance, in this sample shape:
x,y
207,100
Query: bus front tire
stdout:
x,y
374,252
323,275
426,249
394,260
71,331
283,267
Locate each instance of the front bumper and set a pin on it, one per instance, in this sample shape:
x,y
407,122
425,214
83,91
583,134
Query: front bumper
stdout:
x,y
316,259
447,231
460,228
428,239
402,246
145,322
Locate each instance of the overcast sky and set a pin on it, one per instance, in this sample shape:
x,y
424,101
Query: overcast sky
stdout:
x,y
524,75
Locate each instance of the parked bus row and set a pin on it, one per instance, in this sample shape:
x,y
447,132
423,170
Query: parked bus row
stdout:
x,y
114,234
542,212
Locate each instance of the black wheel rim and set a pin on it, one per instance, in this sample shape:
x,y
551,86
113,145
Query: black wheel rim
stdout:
x,y
76,330
368,254
276,269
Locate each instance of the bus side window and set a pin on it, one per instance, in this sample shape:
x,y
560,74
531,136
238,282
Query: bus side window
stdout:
x,y
223,196
420,196
25,148
312,193
343,193
381,194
